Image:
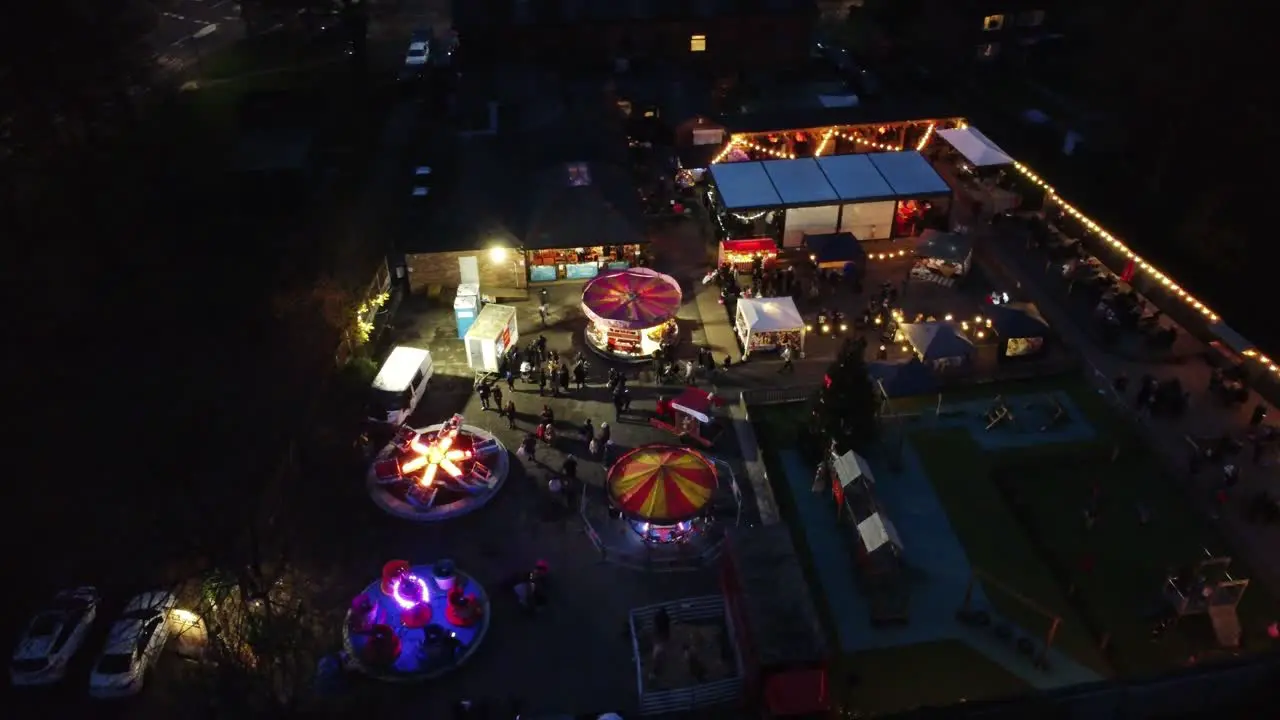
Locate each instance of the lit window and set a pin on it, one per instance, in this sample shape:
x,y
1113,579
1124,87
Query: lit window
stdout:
x,y
698,43
1031,18
988,51
579,174
991,23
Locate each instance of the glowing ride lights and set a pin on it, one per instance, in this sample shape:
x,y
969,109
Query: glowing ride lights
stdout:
x,y
435,455
409,591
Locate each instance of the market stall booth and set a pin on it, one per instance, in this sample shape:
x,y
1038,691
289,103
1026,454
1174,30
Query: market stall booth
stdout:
x,y
1022,330
493,333
744,202
768,324
924,198
939,345
837,251
586,220
947,254
690,415
902,379
631,313
742,253
663,491
867,202
879,547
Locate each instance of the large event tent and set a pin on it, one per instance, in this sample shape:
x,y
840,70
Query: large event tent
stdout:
x,y
937,343
977,148
867,201
843,193
909,174
813,207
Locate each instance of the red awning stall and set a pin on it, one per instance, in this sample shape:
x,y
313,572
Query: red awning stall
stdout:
x,y
741,252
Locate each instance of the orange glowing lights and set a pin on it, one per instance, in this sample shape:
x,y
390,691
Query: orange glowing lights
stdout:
x,y
434,456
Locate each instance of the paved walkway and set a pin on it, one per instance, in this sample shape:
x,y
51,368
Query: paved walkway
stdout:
x,y
1004,252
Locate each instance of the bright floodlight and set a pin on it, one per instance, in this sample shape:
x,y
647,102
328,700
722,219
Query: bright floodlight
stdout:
x,y
498,254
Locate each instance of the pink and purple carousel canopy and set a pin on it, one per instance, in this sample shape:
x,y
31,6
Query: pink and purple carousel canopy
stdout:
x,y
631,299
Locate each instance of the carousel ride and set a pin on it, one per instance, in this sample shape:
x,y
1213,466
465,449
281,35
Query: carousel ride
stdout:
x,y
631,313
663,492
417,622
438,472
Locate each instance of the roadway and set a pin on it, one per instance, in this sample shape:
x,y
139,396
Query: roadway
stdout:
x,y
194,27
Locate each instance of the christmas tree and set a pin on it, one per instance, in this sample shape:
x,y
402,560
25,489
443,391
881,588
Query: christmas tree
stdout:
x,y
844,411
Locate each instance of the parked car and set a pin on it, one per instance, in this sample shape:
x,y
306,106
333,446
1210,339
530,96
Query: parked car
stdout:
x,y
133,645
53,637
419,49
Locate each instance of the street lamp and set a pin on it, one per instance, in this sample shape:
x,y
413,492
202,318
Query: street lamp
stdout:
x,y
498,254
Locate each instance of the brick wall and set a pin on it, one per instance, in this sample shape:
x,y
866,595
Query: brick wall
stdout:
x,y
426,269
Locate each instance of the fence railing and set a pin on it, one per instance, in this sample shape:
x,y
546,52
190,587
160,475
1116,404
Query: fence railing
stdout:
x,y
677,700
777,396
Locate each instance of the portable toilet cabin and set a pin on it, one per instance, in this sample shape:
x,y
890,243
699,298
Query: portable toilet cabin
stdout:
x,y
492,334
465,307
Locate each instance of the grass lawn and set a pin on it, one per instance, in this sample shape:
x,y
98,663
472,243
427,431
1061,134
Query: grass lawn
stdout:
x,y
890,680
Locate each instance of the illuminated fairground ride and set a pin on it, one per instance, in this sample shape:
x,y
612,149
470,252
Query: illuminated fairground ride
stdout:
x,y
632,313
416,622
438,472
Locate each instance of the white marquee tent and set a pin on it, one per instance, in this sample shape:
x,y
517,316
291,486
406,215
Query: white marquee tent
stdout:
x,y
761,316
909,174
744,186
813,205
867,201
977,148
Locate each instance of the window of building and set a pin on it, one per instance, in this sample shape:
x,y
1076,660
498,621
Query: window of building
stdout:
x,y
579,174
992,23
698,43
1031,18
988,51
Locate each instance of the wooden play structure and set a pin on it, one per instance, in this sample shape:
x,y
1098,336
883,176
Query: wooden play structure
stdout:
x,y
1208,588
998,414
880,562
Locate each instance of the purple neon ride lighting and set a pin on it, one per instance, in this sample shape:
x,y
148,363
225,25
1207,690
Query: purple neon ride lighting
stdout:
x,y
408,603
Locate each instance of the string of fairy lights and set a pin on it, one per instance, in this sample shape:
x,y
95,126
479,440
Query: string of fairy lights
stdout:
x,y
1167,282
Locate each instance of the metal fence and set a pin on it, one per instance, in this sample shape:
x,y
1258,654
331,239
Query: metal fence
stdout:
x,y
677,700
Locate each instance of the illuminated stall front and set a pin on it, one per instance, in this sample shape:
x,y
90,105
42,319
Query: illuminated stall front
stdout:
x,y
744,202
586,220
631,313
742,253
867,201
663,491
812,205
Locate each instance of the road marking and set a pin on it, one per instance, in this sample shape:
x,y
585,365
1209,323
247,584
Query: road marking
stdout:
x,y
175,16
207,30
218,4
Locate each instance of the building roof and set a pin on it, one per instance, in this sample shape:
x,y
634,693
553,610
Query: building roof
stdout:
x,y
605,210
909,174
884,110
497,13
855,178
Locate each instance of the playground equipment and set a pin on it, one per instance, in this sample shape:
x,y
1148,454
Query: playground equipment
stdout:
x,y
998,414
1004,630
1057,415
1208,588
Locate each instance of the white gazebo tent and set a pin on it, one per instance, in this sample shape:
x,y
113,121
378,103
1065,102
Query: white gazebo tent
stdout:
x,y
874,529
977,149
867,201
763,323
744,186
813,206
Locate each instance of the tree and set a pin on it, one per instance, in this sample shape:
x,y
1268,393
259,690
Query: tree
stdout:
x,y
845,409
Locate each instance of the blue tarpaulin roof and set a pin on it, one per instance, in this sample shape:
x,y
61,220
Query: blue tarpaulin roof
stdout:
x,y
841,247
903,379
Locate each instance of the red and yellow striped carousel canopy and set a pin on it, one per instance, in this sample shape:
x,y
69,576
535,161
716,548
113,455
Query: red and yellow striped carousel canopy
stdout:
x,y
662,484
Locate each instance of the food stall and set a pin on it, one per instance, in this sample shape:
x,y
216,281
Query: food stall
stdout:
x,y
768,323
631,313
663,492
837,251
741,253
1023,332
489,338
579,263
689,415
939,345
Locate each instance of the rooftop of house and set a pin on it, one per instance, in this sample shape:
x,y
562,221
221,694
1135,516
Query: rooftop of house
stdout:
x,y
491,13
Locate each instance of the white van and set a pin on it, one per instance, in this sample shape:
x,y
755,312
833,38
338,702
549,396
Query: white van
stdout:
x,y
400,384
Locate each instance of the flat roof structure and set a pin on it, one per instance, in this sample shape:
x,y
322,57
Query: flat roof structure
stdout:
x,y
977,148
744,185
909,174
854,178
800,182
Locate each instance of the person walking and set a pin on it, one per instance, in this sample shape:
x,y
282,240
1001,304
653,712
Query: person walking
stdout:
x,y
564,377
626,400
618,402
529,447
787,366
483,391
511,414
542,313
511,380
542,381
689,373
580,374
497,397
588,431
